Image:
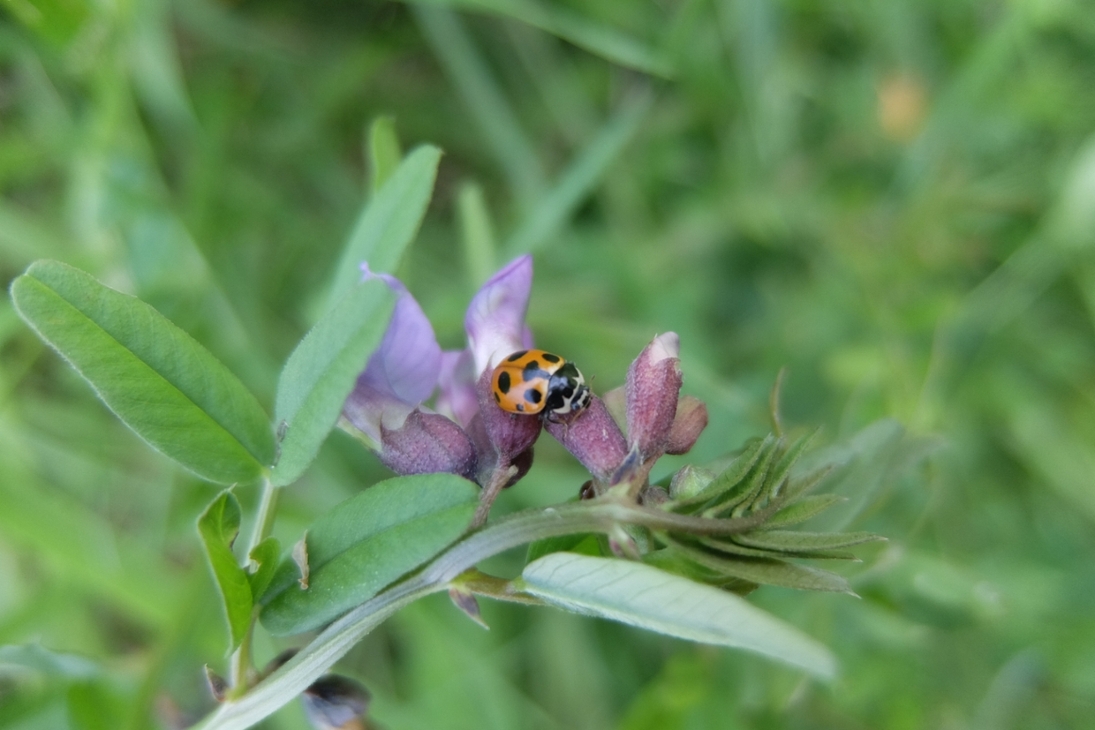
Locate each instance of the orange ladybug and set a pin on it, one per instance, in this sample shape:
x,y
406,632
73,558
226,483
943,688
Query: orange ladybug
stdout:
x,y
534,381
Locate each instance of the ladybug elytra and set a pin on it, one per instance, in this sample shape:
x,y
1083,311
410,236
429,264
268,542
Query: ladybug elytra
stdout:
x,y
534,381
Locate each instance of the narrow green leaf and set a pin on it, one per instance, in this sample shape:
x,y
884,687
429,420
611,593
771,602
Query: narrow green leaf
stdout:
x,y
732,548
161,383
218,527
485,100
768,571
477,234
787,461
731,475
367,542
803,509
384,151
649,598
390,220
266,555
37,658
321,372
599,39
801,542
554,209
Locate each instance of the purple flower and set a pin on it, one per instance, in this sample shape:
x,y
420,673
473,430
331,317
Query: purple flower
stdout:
x,y
468,434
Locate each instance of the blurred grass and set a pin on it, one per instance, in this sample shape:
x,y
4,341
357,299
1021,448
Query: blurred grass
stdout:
x,y
894,200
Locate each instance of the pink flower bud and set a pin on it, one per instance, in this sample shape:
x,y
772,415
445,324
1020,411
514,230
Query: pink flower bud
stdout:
x,y
688,424
653,386
427,443
593,438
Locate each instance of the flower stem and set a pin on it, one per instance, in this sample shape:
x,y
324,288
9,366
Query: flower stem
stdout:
x,y
264,518
498,481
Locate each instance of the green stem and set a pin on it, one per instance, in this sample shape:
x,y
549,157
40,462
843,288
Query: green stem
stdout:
x,y
264,518
240,663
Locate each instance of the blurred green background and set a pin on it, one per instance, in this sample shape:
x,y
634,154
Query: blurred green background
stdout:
x,y
893,199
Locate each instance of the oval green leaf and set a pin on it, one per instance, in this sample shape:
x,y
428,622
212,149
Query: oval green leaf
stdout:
x,y
390,220
649,598
164,385
321,372
366,543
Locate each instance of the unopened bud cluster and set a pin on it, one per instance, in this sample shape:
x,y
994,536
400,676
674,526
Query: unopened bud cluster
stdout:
x,y
467,433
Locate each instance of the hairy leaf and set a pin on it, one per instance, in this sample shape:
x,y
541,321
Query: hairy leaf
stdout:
x,y
800,542
321,372
164,385
367,542
390,220
644,596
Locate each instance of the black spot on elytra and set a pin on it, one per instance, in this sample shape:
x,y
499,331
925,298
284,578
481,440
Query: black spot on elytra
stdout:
x,y
503,382
520,407
532,372
516,356
533,396
551,358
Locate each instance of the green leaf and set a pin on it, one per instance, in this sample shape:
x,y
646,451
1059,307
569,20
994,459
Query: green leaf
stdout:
x,y
367,542
643,596
802,510
384,151
390,220
165,386
218,527
731,476
321,372
553,209
801,542
267,556
787,461
477,234
597,38
768,571
727,546
37,658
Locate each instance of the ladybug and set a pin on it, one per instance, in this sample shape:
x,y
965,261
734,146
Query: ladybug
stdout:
x,y
534,381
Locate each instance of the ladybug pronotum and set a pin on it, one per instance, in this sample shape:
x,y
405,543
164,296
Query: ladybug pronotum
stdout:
x,y
534,381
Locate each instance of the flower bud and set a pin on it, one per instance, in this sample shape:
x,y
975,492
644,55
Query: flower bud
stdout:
x,y
688,424
690,481
510,434
593,438
653,386
427,443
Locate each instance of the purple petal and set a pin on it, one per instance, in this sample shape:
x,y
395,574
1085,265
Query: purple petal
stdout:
x,y
495,321
456,395
369,408
408,361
